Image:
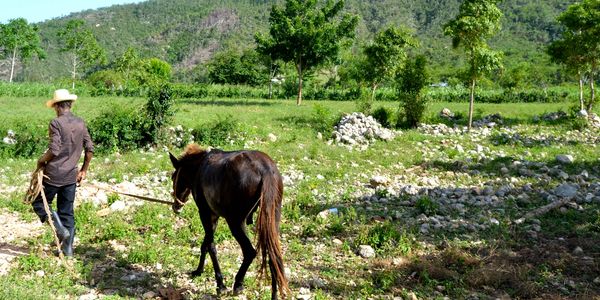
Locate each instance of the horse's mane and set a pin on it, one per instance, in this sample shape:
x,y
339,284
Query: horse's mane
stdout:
x,y
193,151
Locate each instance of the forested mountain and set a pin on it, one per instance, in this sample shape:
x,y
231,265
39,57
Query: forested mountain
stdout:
x,y
187,33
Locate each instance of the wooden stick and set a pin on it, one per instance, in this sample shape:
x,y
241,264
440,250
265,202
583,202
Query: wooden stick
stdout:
x,y
544,209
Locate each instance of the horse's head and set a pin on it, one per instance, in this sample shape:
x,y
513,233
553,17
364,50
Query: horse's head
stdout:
x,y
181,187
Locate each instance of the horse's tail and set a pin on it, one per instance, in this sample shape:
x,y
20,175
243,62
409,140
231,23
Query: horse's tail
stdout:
x,y
267,229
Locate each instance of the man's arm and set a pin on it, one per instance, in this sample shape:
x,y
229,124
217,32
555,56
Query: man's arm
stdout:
x,y
44,159
86,164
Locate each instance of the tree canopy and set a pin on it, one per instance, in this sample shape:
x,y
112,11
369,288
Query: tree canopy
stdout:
x,y
306,34
476,22
18,39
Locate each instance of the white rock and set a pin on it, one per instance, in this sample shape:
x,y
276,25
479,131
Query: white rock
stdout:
x,y
565,159
272,137
118,205
366,251
578,251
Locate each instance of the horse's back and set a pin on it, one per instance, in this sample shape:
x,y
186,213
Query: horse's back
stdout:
x,y
232,180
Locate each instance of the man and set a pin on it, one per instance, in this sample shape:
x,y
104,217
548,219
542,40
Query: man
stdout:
x,y
68,137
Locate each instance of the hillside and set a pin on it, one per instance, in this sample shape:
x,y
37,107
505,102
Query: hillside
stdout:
x,y
187,33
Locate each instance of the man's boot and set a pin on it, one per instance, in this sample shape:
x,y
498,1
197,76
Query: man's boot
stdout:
x,y
67,245
62,232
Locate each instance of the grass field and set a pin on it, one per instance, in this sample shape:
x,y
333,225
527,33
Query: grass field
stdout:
x,y
147,250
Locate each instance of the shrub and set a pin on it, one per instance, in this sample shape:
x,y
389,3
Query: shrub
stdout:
x,y
323,119
119,128
159,109
29,141
223,132
427,206
411,82
384,116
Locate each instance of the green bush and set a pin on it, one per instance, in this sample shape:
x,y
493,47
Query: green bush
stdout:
x,y
30,141
384,116
159,109
225,131
410,83
119,128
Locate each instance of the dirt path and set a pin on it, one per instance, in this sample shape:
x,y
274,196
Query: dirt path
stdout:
x,y
13,234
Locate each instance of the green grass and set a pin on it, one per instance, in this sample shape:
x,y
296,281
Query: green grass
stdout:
x,y
124,243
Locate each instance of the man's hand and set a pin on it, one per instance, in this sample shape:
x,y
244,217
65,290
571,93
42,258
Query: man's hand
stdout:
x,y
40,164
81,176
44,159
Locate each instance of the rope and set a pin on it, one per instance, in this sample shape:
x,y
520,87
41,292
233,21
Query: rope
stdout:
x,y
36,187
132,195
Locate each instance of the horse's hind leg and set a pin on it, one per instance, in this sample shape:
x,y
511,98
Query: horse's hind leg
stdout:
x,y
238,230
209,223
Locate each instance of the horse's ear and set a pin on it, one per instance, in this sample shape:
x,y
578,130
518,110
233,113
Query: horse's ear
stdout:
x,y
174,160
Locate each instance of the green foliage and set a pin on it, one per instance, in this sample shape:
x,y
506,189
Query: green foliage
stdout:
x,y
306,35
230,67
385,238
410,82
80,42
18,39
225,131
323,119
384,116
29,141
385,55
159,109
426,205
476,21
119,128
106,80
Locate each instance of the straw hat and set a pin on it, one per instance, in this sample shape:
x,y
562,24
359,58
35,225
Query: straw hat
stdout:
x,y
59,96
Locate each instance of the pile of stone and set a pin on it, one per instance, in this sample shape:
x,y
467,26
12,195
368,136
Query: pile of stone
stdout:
x,y
490,121
551,116
594,120
438,129
360,130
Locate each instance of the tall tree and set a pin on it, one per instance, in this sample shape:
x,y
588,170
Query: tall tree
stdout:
x,y
582,23
564,52
19,40
81,44
385,55
306,34
476,21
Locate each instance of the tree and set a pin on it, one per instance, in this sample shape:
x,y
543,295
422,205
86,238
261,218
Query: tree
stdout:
x,y
82,46
580,43
476,21
385,55
564,52
305,34
18,39
410,82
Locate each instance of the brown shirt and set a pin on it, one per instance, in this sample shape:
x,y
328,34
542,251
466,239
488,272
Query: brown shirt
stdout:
x,y
68,137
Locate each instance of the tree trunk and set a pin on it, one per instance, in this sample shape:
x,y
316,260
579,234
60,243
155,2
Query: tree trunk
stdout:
x,y
593,92
471,100
581,107
373,88
299,99
12,65
74,72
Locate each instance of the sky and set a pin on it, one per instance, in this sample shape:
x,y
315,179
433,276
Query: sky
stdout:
x,y
40,10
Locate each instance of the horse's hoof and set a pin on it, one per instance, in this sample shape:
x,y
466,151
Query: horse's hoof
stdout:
x,y
237,290
195,273
221,290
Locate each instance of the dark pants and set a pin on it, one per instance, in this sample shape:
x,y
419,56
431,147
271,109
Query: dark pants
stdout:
x,y
64,203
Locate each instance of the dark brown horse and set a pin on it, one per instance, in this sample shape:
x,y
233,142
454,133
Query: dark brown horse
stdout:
x,y
233,185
